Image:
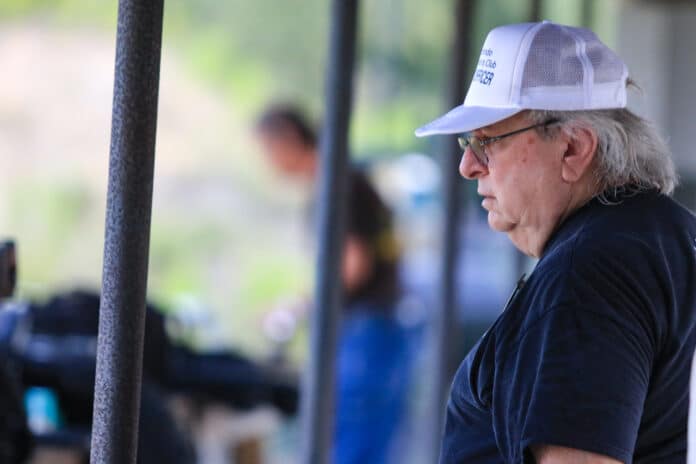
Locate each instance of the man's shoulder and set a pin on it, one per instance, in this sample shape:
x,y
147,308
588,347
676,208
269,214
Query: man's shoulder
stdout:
x,y
641,215
619,261
637,228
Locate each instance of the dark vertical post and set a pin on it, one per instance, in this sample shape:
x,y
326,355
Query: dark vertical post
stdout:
x,y
129,204
587,13
535,10
445,320
318,394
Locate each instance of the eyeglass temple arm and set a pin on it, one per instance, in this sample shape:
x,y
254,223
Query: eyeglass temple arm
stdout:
x,y
499,137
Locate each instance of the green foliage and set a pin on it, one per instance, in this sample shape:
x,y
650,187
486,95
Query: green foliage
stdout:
x,y
273,276
177,248
255,50
263,50
69,12
267,50
48,206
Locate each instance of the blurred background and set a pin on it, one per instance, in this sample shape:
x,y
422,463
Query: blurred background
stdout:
x,y
229,237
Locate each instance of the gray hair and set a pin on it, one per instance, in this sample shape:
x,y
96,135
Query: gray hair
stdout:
x,y
631,153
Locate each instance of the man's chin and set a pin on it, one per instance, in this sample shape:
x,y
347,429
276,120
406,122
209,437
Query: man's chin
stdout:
x,y
498,223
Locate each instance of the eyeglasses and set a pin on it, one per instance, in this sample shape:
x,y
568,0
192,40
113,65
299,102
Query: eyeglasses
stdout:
x,y
478,145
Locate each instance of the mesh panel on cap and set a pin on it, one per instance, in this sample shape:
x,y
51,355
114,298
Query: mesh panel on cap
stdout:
x,y
552,60
607,66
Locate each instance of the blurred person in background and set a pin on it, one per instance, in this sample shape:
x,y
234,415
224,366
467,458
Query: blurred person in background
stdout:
x,y
48,356
372,365
15,440
59,353
589,362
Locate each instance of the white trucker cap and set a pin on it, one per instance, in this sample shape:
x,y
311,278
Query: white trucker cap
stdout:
x,y
536,66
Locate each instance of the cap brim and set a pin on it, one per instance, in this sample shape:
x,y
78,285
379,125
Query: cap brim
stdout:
x,y
465,119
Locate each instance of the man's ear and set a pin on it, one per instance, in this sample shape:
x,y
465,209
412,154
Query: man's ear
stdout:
x,y
580,152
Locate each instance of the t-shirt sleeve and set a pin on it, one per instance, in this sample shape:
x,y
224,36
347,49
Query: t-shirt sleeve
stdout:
x,y
578,378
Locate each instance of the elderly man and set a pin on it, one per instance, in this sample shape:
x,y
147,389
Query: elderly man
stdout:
x,y
589,362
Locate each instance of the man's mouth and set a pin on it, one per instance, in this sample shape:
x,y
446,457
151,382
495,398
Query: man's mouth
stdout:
x,y
487,200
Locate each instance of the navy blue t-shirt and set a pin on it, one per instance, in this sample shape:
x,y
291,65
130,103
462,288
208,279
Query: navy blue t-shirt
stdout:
x,y
594,351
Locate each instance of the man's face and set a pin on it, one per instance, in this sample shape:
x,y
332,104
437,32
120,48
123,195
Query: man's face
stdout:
x,y
285,152
522,186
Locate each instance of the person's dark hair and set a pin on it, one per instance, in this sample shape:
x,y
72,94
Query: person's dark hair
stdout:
x,y
280,120
370,220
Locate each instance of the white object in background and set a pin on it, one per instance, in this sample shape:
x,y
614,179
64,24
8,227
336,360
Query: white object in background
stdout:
x,y
691,444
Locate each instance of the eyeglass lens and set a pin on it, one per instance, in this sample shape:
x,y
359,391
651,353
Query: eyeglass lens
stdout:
x,y
476,148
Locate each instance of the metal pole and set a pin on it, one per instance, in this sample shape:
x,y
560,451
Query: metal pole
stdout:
x,y
446,317
129,204
535,10
587,13
318,397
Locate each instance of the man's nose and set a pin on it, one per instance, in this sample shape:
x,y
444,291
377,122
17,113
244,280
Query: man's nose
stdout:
x,y
470,167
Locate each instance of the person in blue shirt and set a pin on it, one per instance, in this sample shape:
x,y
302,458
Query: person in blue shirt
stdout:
x,y
589,362
373,352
